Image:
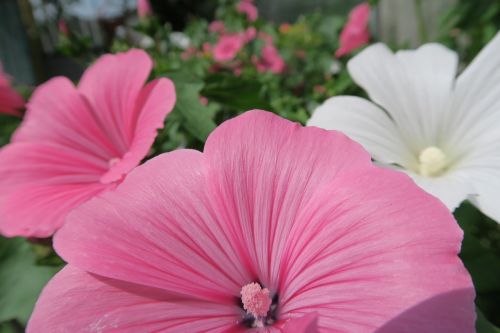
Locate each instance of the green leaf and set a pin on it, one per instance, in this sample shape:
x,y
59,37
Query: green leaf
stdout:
x,y
235,92
481,262
483,325
197,117
20,279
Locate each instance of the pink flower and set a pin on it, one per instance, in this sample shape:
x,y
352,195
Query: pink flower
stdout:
x,y
274,228
217,27
144,8
228,47
270,60
355,33
250,34
249,9
77,142
10,100
207,48
203,100
285,28
189,52
63,27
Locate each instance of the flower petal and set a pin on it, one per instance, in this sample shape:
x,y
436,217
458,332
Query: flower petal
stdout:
x,y
154,103
414,87
158,229
451,188
365,123
473,117
361,259
263,170
112,85
40,185
76,301
59,115
485,196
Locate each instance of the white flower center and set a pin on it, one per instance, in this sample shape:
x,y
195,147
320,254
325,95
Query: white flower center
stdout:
x,y
432,162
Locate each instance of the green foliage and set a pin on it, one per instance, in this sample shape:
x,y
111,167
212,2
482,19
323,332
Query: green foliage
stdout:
x,y
469,25
21,280
481,257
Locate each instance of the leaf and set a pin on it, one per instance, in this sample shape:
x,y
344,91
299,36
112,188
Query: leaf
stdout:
x,y
235,92
20,279
481,262
197,117
483,325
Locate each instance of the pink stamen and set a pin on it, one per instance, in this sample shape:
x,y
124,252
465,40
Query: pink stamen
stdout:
x,y
255,299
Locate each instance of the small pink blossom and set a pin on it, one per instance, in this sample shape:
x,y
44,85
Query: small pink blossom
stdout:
x,y
203,100
217,27
285,28
76,142
270,60
207,47
228,47
267,38
272,228
249,9
355,33
189,52
63,27
250,34
319,89
10,100
144,8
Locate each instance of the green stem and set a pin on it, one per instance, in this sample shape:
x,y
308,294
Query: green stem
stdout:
x,y
421,22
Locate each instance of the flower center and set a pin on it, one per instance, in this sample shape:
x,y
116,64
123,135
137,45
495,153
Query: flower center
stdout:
x,y
432,162
260,307
114,161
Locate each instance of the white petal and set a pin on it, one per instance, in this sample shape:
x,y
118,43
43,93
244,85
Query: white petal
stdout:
x,y
487,184
451,188
414,87
474,115
365,123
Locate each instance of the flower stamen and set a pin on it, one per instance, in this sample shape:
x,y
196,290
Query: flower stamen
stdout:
x,y
256,301
432,162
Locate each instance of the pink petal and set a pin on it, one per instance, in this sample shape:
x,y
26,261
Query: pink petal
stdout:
x,y
386,258
58,114
10,100
263,171
112,85
179,244
305,324
76,301
40,185
355,33
144,8
154,103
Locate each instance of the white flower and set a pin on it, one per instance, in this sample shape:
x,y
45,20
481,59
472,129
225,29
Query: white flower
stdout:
x,y
180,40
441,130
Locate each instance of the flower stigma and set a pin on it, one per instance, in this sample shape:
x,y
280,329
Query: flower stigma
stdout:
x,y
432,161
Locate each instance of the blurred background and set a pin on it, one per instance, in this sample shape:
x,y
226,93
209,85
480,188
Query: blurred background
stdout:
x,y
30,30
